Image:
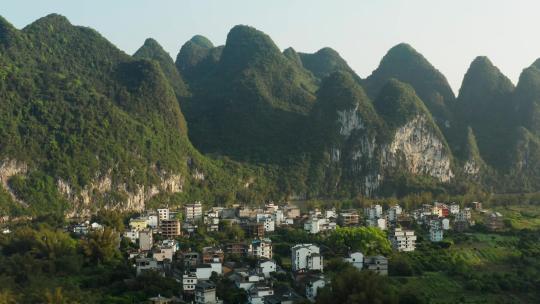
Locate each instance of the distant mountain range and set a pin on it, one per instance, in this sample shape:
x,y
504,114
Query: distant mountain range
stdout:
x,y
84,125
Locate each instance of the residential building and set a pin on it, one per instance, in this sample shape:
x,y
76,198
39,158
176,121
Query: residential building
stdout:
x,y
330,213
464,215
146,239
138,224
494,221
239,249
476,205
403,240
279,217
268,222
350,218
163,214
454,208
356,259
393,213
190,259
381,224
266,267
160,300
313,285
211,254
204,271
292,211
188,282
258,292
246,212
205,293
435,230
146,264
261,248
253,229
244,279
170,228
377,264
162,253
306,257
153,221
445,224
132,235
193,212
373,212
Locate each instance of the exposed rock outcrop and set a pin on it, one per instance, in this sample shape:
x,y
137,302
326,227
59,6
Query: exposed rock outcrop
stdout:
x,y
8,169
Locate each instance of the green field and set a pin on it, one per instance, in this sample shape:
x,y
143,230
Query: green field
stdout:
x,y
521,216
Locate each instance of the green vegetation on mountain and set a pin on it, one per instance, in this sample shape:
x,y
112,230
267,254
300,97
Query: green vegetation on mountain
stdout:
x,y
405,64
197,57
77,109
253,103
527,98
151,50
485,104
397,104
324,62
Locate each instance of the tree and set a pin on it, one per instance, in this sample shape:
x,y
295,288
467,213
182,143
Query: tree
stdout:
x,y
7,297
101,246
368,240
55,297
352,286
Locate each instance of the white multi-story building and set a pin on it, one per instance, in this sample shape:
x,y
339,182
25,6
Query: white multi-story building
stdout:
x,y
403,240
454,208
163,214
258,292
435,230
317,224
261,248
331,213
153,221
464,215
312,287
435,234
267,267
193,212
393,213
268,221
445,224
205,293
373,212
279,217
381,224
356,259
189,281
132,235
306,257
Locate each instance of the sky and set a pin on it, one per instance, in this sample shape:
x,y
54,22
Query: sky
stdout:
x,y
450,34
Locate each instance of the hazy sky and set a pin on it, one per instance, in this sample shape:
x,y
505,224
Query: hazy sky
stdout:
x,y
448,33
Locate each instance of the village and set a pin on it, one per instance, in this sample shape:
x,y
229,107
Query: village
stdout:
x,y
165,241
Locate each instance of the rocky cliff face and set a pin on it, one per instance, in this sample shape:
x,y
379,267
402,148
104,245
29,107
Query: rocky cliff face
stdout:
x,y
83,202
420,151
8,169
367,145
133,199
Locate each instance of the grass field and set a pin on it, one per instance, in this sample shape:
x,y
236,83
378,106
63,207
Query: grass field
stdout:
x,y
521,216
442,289
486,249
